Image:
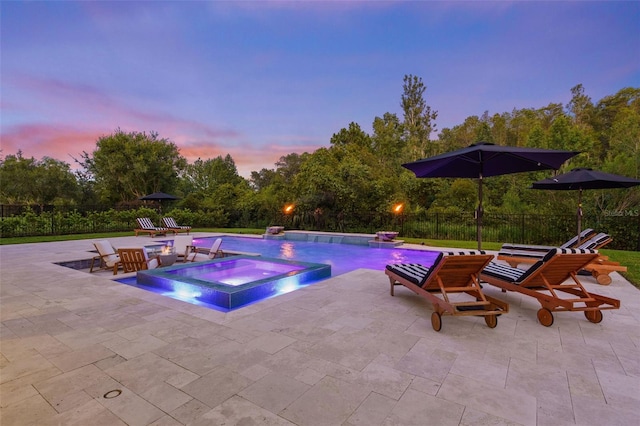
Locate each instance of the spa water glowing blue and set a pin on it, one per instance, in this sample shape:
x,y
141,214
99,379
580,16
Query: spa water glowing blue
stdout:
x,y
232,282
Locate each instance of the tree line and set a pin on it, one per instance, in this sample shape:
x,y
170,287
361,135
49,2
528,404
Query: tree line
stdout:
x,y
358,172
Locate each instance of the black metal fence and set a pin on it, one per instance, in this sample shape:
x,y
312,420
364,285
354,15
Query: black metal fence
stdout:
x,y
513,228
624,227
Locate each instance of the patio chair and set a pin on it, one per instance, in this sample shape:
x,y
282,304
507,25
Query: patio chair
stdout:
x,y
146,226
136,259
183,246
452,276
170,223
208,253
553,281
600,268
107,257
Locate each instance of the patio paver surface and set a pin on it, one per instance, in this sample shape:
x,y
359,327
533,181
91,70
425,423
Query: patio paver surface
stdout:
x,y
79,348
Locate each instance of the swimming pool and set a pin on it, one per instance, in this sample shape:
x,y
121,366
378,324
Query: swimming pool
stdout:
x,y
220,284
343,258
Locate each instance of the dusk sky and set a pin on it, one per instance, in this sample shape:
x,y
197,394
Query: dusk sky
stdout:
x,y
259,80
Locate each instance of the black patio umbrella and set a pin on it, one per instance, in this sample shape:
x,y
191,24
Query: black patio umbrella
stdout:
x,y
584,178
484,159
159,197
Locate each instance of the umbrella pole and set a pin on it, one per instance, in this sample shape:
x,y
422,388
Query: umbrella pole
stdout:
x,y
579,214
479,213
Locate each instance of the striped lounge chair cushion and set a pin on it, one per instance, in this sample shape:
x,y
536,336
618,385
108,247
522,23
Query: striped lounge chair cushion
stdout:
x,y
414,272
595,242
463,252
170,222
145,223
573,241
531,252
534,251
516,275
419,274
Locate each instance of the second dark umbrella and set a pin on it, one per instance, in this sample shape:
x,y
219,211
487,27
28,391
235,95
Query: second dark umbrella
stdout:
x,y
584,178
484,159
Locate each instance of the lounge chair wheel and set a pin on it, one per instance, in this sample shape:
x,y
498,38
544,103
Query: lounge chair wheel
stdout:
x,y
545,317
594,316
436,321
602,279
491,320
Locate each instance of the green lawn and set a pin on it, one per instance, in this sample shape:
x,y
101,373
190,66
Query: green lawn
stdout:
x,y
630,259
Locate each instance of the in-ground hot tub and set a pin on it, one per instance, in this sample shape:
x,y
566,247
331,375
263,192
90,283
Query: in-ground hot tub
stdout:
x,y
233,282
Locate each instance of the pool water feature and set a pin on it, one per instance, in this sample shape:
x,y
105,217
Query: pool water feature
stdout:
x,y
232,282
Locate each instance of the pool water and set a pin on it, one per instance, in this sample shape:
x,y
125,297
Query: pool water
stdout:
x,y
235,272
343,258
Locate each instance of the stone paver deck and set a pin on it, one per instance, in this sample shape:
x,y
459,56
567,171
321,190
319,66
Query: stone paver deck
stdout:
x,y
80,349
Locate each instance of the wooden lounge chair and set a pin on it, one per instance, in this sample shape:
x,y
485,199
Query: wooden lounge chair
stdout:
x,y
107,257
170,223
136,259
452,276
600,268
208,253
537,252
146,226
553,281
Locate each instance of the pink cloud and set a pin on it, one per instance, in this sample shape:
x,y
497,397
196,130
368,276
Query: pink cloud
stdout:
x,y
99,113
44,140
88,103
65,143
246,158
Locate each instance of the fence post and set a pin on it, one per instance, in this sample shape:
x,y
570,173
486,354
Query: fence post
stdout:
x,y
638,233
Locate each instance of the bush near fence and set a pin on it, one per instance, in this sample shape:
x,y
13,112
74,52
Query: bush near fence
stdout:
x,y
513,228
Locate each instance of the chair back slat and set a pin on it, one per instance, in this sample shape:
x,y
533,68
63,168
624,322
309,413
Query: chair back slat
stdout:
x,y
135,259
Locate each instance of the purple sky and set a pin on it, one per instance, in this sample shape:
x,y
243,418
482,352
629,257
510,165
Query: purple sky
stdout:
x,y
259,80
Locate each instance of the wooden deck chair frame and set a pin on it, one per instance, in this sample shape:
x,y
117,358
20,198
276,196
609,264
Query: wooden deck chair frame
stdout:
x,y
554,282
136,259
451,274
145,225
107,257
170,223
600,268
